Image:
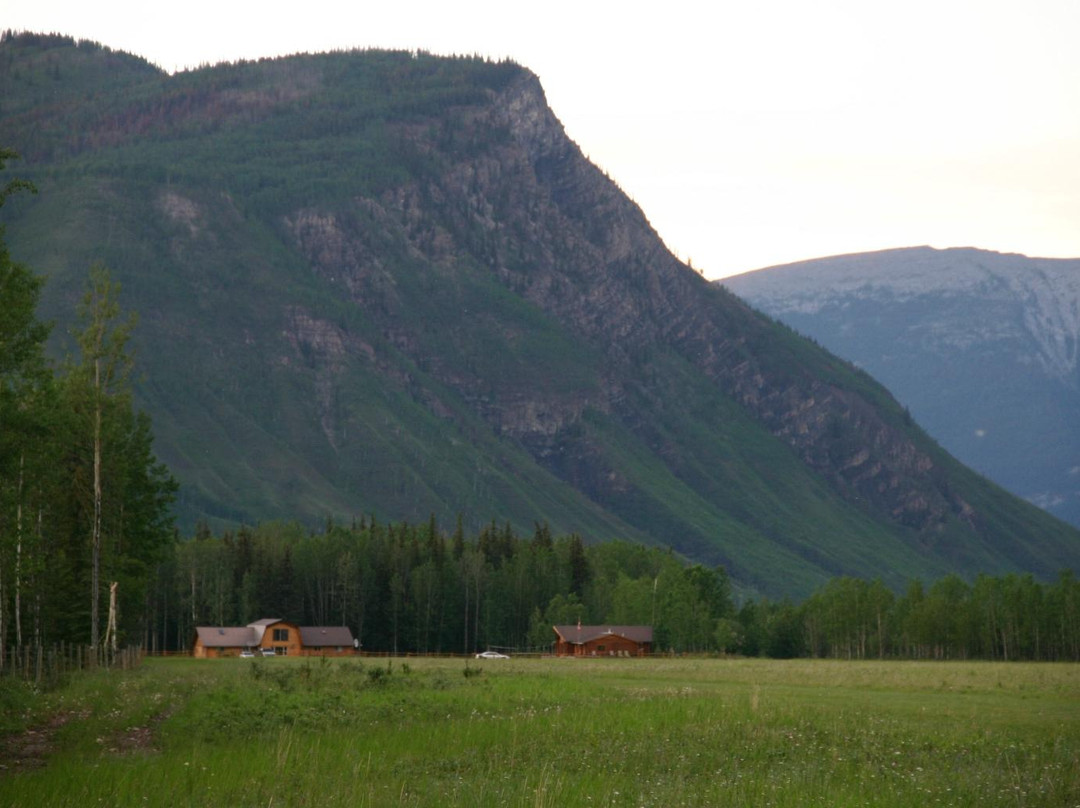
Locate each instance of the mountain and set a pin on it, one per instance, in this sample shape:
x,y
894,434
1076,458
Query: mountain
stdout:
x,y
981,347
388,282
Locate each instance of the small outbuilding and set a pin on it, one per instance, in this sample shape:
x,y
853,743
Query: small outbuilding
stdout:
x,y
598,641
272,636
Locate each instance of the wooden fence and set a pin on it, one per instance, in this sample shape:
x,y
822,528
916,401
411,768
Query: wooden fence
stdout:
x,y
45,665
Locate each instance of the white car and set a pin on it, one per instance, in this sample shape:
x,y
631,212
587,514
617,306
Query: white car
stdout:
x,y
247,653
491,655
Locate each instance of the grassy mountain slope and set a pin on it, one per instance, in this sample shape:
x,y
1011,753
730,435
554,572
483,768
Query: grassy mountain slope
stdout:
x,y
388,282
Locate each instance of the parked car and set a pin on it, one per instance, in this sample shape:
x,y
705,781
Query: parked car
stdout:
x,y
491,655
269,652
247,653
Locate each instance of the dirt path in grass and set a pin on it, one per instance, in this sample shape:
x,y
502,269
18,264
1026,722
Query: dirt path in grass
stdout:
x,y
28,750
31,748
135,740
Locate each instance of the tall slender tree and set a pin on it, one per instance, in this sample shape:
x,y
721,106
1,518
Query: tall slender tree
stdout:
x,y
103,374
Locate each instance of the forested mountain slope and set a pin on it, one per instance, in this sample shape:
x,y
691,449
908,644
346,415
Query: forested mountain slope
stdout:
x,y
982,347
388,282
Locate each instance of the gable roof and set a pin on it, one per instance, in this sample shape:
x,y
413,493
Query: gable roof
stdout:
x,y
248,636
579,635
316,636
230,637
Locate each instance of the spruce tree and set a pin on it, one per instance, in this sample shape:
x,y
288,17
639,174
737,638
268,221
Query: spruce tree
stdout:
x,y
23,379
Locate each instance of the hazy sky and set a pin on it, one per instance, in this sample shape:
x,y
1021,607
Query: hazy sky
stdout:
x,y
751,133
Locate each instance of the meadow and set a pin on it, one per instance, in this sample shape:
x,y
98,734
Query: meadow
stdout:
x,y
549,732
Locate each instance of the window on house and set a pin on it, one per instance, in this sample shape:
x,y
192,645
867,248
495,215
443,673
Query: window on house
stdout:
x,y
281,635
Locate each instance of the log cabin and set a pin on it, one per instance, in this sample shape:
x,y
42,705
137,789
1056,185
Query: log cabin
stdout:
x,y
597,641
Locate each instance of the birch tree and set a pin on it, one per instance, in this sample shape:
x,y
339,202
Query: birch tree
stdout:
x,y
104,374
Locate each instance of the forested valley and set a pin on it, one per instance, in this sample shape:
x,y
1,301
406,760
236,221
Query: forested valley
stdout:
x,y
89,553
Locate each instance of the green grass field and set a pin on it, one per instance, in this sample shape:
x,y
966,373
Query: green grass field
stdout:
x,y
547,732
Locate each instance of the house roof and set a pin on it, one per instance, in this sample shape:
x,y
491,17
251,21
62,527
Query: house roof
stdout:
x,y
316,636
252,634
578,635
228,637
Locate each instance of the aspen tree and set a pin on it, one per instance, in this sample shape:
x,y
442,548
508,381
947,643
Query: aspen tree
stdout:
x,y
105,369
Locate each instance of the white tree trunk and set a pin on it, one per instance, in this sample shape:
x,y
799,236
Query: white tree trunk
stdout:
x,y
18,553
110,631
95,538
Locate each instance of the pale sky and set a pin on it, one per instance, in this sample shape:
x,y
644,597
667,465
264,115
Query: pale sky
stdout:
x,y
751,133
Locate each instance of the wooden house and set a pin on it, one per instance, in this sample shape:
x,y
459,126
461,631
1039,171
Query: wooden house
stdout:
x,y
274,636
603,641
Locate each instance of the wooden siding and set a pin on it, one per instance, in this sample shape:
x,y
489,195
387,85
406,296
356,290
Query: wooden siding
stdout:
x,y
612,645
202,652
328,650
288,644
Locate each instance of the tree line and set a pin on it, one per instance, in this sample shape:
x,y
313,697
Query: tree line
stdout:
x,y
406,588
84,505
412,588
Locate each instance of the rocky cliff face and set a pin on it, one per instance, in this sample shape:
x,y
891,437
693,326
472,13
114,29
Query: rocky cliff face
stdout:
x,y
981,346
593,261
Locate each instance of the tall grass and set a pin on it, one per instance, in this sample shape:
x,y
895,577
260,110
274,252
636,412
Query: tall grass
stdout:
x,y
651,732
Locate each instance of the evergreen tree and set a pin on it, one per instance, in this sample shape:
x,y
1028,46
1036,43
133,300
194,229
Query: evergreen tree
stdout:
x,y
24,380
542,537
578,565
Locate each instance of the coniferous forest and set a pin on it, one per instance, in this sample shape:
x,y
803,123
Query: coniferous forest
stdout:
x,y
406,588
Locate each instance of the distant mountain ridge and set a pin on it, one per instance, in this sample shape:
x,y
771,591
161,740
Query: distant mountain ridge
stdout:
x,y
388,282
983,348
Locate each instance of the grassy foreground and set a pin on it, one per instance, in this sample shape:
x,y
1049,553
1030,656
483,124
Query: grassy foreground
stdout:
x,y
656,732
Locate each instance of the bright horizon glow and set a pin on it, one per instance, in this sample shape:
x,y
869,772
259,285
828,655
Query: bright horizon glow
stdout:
x,y
752,134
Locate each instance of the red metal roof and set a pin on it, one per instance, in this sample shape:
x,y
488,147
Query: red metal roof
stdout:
x,y
578,635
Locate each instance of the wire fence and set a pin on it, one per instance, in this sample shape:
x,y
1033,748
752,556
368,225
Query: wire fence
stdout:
x,y
45,665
